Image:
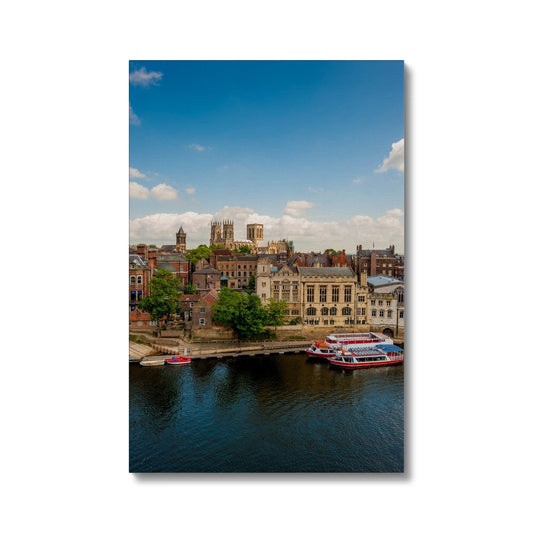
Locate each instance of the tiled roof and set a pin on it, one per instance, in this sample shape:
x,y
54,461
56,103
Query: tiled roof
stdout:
x,y
326,271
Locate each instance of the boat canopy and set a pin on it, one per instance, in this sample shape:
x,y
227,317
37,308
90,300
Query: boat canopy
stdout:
x,y
389,348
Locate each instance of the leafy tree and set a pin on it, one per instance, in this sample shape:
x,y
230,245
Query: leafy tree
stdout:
x,y
241,312
244,249
190,289
275,312
250,288
216,247
199,253
164,296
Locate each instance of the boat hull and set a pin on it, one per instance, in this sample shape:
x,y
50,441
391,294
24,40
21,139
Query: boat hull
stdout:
x,y
180,361
354,366
152,363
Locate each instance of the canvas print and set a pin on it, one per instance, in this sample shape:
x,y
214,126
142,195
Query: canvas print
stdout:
x,y
266,266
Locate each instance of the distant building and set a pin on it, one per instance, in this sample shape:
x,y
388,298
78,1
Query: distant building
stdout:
x,y
386,305
140,276
236,269
378,262
206,279
181,245
202,311
178,264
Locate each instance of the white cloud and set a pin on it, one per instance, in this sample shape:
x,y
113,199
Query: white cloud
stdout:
x,y
307,235
357,180
134,119
395,158
138,191
145,79
136,174
197,147
190,190
297,208
164,192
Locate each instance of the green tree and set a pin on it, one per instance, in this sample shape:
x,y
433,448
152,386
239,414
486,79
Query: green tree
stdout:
x,y
190,289
242,312
275,311
199,253
244,249
163,301
250,288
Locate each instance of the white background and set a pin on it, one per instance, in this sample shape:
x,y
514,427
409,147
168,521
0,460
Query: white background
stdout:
x,y
64,97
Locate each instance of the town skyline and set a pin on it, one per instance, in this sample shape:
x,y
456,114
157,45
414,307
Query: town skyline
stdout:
x,y
313,150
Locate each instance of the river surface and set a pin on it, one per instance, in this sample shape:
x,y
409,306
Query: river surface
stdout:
x,y
277,413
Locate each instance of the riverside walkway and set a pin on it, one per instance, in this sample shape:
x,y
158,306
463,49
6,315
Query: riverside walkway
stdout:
x,y
196,351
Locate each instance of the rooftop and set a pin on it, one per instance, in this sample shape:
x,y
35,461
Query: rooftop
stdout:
x,y
331,272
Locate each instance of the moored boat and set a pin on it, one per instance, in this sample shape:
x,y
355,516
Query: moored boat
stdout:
x,y
178,360
380,355
152,362
327,347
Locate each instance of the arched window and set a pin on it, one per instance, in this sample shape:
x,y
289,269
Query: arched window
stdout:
x,y
324,311
139,279
132,280
400,296
333,311
311,311
346,311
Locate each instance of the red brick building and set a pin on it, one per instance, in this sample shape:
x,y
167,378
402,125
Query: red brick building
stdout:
x,y
236,268
379,262
139,278
178,264
202,311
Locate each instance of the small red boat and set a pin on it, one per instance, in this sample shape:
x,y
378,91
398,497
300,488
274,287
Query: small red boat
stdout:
x,y
178,360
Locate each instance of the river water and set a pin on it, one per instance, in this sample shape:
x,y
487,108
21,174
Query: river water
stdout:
x,y
277,413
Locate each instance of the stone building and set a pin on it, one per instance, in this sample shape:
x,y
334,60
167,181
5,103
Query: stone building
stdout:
x,y
318,296
386,305
181,244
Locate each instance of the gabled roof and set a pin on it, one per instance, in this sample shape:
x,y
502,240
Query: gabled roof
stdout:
x,y
206,271
167,248
180,231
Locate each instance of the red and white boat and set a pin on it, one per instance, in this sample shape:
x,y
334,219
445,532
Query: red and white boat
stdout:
x,y
326,348
380,355
178,360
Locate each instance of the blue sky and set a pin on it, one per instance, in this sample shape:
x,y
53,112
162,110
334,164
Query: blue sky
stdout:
x,y
312,149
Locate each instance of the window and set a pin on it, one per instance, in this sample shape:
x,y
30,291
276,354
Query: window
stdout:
x,y
361,311
347,294
295,312
323,291
263,295
400,297
202,321
360,298
335,293
346,311
388,303
311,293
382,313
380,302
374,312
139,280
372,302
295,286
295,297
324,311
285,295
202,309
401,314
389,314
132,280
333,311
311,311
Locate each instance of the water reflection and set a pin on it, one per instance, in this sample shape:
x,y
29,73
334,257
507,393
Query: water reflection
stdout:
x,y
272,413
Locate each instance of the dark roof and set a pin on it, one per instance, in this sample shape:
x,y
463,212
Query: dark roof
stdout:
x,y
171,258
181,230
346,272
167,248
206,271
380,253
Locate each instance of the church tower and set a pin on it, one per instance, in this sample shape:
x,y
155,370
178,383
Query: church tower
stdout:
x,y
181,246
254,233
